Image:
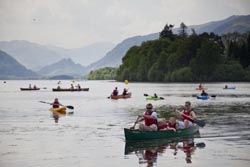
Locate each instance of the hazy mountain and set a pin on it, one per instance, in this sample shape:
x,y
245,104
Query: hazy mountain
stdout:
x,y
232,24
11,69
35,56
31,55
85,55
63,67
114,57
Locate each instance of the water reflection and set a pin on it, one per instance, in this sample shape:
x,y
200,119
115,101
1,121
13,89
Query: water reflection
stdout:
x,y
148,151
56,117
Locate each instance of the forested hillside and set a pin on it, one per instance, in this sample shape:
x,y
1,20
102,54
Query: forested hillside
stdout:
x,y
188,58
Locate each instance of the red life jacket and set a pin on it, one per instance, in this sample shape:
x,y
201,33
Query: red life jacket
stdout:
x,y
162,126
56,105
172,126
188,113
150,121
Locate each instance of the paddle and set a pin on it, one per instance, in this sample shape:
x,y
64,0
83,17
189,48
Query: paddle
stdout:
x,y
133,127
200,123
162,98
69,107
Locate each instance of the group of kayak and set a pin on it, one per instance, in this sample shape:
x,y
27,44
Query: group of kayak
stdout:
x,y
204,95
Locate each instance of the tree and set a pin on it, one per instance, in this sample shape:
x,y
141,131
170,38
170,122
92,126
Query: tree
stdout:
x,y
183,30
167,32
206,60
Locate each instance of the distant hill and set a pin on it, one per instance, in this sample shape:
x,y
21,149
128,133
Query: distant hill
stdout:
x,y
32,56
11,69
114,57
35,56
231,24
63,67
85,55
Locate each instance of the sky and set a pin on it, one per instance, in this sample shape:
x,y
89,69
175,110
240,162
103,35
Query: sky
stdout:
x,y
78,23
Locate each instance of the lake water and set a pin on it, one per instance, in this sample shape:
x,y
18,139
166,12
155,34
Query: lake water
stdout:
x,y
93,136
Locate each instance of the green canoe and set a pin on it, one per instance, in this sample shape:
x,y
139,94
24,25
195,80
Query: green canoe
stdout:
x,y
136,135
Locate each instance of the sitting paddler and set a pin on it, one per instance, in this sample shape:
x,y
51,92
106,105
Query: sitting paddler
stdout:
x,y
115,92
56,103
125,92
188,115
203,93
150,119
171,125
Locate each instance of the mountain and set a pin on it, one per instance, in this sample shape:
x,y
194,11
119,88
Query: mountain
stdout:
x,y
35,56
11,69
232,24
85,55
63,67
31,55
114,57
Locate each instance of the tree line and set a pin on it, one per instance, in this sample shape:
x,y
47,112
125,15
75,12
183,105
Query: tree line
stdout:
x,y
181,57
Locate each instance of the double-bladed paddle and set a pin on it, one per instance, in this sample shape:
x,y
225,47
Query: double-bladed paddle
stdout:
x,y
69,107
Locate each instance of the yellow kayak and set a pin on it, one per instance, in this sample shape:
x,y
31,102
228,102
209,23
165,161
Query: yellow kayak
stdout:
x,y
60,110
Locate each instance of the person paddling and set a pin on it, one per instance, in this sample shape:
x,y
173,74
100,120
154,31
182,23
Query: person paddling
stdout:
x,y
125,91
56,103
150,119
203,93
185,114
115,92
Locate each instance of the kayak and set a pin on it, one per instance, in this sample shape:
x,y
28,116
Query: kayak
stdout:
x,y
69,89
27,89
121,96
232,87
136,135
154,98
202,97
60,111
201,88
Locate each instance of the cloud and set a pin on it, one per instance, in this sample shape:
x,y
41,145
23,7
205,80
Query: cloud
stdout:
x,y
81,22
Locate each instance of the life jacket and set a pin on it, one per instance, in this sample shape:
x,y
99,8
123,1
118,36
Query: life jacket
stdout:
x,y
188,113
56,105
115,92
149,122
162,126
172,126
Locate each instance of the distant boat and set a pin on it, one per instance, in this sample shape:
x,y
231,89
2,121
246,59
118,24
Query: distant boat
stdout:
x,y
29,89
69,89
231,87
121,96
202,97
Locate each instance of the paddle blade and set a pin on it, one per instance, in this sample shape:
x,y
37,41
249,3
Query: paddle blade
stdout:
x,y
162,98
145,94
70,107
200,145
200,123
213,95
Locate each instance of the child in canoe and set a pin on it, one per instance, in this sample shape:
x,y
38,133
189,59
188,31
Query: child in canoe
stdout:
x,y
171,125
